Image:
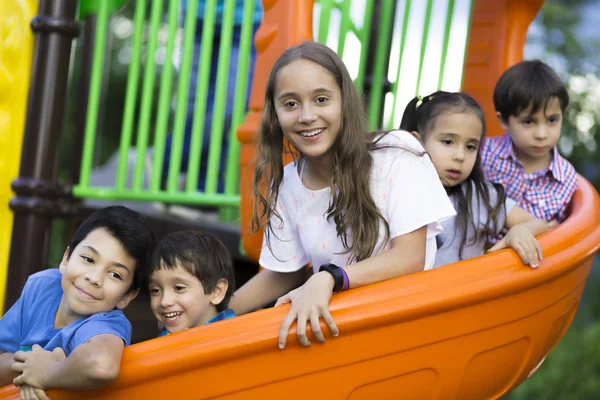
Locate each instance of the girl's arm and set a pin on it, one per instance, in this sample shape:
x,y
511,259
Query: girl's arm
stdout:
x,y
91,365
263,288
522,230
406,256
311,301
6,374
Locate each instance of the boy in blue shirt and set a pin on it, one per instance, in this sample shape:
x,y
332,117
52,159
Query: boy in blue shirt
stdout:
x,y
67,329
191,281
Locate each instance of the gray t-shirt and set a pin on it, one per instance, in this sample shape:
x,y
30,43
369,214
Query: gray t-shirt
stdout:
x,y
450,239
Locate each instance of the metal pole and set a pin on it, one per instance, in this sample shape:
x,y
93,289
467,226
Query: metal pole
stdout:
x,y
39,197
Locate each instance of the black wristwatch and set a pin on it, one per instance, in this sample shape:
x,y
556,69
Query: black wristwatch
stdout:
x,y
338,275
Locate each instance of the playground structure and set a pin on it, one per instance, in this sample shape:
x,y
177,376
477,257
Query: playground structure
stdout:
x,y
473,330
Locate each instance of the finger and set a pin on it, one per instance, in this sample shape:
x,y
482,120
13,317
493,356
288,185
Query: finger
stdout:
x,y
534,261
40,394
330,322
498,246
17,367
25,393
36,347
519,249
301,330
19,380
283,300
538,249
527,252
19,356
315,325
284,329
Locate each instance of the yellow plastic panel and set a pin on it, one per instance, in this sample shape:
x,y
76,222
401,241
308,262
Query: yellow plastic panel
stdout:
x,y
16,52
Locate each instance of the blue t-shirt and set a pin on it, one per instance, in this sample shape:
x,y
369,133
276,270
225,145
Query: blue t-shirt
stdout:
x,y
238,12
31,319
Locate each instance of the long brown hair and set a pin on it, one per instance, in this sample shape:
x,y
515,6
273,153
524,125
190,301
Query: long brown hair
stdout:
x,y
420,115
351,207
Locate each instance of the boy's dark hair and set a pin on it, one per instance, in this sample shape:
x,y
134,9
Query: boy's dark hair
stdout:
x,y
528,84
420,116
202,255
128,227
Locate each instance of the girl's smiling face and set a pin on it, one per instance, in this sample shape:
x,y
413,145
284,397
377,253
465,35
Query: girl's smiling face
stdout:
x,y
308,104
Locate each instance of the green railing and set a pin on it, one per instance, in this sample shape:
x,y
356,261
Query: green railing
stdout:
x,y
146,181
389,70
410,52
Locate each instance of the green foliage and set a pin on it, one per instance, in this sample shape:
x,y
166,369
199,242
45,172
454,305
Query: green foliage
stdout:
x,y
572,371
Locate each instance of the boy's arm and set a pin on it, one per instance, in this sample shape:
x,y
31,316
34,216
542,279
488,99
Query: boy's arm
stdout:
x,y
6,374
92,364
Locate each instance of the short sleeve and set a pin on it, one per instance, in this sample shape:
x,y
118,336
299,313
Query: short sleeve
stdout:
x,y
111,323
11,329
417,197
286,253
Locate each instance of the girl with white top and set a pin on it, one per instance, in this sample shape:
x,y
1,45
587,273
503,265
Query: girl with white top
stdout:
x,y
451,127
360,208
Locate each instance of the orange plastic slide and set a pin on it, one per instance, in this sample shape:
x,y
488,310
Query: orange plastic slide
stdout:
x,y
471,330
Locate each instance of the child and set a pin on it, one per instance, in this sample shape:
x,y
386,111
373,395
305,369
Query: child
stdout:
x,y
451,127
67,329
530,100
361,208
191,281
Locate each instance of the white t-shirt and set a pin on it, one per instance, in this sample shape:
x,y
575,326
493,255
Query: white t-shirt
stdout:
x,y
450,239
404,186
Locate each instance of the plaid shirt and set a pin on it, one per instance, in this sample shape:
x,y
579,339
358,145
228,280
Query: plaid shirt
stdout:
x,y
225,314
545,193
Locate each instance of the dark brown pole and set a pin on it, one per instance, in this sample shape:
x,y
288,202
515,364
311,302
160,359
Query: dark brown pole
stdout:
x,y
39,197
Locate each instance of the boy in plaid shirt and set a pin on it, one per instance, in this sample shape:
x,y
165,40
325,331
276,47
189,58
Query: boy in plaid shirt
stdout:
x,y
530,100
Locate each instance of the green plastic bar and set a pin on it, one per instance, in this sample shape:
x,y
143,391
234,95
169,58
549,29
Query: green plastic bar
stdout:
x,y
164,100
424,43
196,143
239,110
364,35
216,132
92,7
94,96
131,93
177,197
396,83
324,20
345,26
376,95
467,42
147,96
183,88
448,25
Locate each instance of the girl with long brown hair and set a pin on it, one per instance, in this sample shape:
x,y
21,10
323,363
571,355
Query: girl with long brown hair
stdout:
x,y
360,208
451,127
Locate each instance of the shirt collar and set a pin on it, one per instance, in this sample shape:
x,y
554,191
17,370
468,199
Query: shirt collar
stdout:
x,y
506,149
556,166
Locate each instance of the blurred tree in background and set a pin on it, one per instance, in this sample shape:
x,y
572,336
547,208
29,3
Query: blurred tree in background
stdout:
x,y
565,35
